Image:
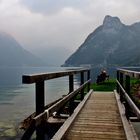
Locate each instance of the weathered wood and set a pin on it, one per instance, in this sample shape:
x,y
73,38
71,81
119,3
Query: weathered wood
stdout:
x,y
98,119
40,97
88,77
33,78
121,82
60,133
71,83
40,103
71,88
134,74
42,115
118,78
27,122
82,81
127,84
30,130
66,98
130,102
128,128
54,108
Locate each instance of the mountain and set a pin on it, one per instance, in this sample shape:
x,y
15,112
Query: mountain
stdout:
x,y
13,54
111,44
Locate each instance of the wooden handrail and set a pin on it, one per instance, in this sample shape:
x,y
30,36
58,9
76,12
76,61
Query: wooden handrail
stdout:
x,y
60,133
130,102
54,108
34,78
41,113
123,88
134,74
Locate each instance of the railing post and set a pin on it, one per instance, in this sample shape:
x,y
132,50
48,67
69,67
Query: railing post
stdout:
x,y
88,77
127,89
39,97
40,108
71,88
118,88
71,83
127,84
82,81
121,82
127,110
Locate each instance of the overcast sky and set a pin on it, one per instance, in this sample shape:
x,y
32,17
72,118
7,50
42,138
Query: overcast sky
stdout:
x,y
58,24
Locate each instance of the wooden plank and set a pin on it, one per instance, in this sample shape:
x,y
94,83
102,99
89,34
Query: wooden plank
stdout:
x,y
60,133
97,120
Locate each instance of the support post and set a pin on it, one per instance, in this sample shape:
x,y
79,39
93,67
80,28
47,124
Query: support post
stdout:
x,y
40,108
71,88
121,82
82,82
39,97
118,88
71,83
127,84
88,77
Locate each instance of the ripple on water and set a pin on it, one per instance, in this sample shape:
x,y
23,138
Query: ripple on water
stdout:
x,y
7,130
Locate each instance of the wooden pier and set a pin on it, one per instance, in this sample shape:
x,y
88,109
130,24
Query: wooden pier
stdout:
x,y
98,119
95,116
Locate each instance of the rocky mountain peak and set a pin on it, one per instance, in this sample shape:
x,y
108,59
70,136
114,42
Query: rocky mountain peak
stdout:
x,y
111,44
112,23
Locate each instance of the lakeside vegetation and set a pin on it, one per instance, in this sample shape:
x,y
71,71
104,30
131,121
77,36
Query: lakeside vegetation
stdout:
x,y
108,85
135,91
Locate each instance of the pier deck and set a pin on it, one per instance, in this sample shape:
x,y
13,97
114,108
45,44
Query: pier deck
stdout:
x,y
98,119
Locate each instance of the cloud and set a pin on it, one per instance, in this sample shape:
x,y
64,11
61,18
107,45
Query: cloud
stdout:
x,y
35,30
52,6
127,10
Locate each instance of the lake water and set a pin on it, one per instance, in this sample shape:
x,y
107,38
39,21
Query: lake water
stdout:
x,y
17,100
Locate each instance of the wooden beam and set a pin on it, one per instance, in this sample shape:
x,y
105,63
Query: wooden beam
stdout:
x,y
134,74
40,97
54,108
128,128
130,102
60,133
33,78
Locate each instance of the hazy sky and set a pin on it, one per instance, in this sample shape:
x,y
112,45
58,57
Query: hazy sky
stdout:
x,y
57,24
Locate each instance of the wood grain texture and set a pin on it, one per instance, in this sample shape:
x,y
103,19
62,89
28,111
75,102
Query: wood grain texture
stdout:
x,y
98,120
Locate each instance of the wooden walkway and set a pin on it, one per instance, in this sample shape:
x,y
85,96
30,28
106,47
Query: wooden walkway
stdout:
x,y
99,119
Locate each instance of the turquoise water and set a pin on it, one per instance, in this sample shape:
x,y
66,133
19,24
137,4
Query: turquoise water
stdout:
x,y
17,100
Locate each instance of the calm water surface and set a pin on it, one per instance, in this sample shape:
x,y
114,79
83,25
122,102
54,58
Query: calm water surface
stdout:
x,y
17,100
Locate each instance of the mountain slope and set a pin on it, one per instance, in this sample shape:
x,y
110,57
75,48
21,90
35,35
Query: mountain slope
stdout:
x,y
12,54
111,44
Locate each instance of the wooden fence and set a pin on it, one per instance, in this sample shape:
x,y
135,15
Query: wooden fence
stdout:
x,y
38,120
124,77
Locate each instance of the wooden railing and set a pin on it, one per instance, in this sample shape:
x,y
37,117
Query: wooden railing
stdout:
x,y
123,88
42,114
